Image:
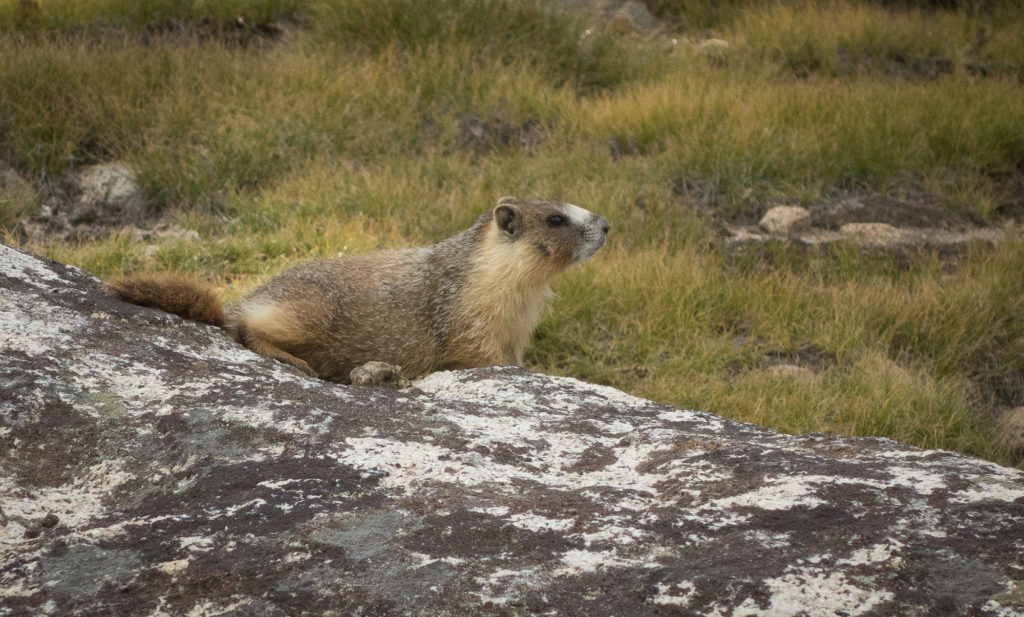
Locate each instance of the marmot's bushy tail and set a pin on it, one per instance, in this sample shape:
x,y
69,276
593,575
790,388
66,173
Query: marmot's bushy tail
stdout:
x,y
180,294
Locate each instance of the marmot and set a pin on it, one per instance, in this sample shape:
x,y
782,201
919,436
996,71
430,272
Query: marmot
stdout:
x,y
470,300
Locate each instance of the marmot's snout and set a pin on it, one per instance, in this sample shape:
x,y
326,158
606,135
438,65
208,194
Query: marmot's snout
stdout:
x,y
593,232
598,230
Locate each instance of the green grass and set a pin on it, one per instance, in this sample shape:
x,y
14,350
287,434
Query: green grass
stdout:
x,y
902,350
340,126
769,137
78,15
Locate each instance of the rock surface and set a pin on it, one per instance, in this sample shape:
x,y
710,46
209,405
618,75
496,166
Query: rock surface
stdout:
x,y
90,202
876,222
872,234
632,17
150,466
111,182
784,220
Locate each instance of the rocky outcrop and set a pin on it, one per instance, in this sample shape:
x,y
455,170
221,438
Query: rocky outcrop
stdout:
x,y
90,202
151,466
631,17
875,222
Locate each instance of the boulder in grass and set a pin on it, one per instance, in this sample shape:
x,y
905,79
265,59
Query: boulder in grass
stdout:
x,y
785,220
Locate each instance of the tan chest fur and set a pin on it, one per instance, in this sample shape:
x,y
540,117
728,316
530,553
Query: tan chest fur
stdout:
x,y
504,297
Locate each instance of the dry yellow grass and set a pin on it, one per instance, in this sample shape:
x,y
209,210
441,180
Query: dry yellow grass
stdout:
x,y
307,145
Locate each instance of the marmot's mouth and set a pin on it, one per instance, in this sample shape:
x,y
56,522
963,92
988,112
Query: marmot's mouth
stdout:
x,y
587,250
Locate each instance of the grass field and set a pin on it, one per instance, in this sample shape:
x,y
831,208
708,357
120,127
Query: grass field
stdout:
x,y
281,130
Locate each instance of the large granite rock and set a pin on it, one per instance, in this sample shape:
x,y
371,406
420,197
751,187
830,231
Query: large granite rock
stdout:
x,y
151,466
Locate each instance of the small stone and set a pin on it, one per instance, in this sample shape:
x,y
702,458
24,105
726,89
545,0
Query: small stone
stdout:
x,y
378,374
110,182
818,237
176,232
872,234
174,566
710,45
785,220
790,370
742,235
35,529
632,17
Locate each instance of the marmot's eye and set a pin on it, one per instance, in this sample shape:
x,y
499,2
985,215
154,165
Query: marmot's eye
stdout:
x,y
556,220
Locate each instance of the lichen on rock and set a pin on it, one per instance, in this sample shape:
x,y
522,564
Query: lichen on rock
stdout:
x,y
161,469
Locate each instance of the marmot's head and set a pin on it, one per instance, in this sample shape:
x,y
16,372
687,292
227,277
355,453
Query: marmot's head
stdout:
x,y
555,233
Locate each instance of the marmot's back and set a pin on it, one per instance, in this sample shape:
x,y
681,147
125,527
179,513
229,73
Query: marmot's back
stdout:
x,y
339,313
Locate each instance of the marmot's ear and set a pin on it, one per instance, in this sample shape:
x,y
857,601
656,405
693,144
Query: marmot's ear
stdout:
x,y
509,220
508,199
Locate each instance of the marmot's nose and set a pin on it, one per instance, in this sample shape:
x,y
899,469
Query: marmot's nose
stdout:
x,y
603,223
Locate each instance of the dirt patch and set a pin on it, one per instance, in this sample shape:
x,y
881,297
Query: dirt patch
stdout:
x,y
903,228
913,212
89,202
808,357
1000,386
701,194
483,136
917,67
239,31
1011,186
625,147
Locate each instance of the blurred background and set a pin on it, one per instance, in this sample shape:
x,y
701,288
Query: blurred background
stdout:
x,y
815,205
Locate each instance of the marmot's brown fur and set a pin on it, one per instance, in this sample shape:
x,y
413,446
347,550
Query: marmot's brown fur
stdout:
x,y
471,300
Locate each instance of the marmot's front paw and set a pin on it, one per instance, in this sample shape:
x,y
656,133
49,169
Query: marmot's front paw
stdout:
x,y
302,365
379,374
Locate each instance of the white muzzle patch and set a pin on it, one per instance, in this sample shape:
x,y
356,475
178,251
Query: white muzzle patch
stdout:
x,y
593,230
